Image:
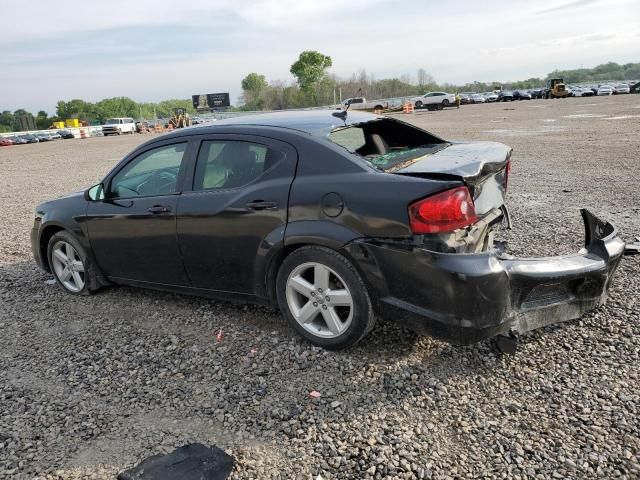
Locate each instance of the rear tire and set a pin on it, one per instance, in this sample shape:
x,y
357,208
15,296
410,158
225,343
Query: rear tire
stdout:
x,y
323,298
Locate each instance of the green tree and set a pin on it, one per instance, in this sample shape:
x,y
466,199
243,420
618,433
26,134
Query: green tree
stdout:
x,y
253,87
310,69
116,107
254,83
7,119
599,73
76,108
165,108
42,120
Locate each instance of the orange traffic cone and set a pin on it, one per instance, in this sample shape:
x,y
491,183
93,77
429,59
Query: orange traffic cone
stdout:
x,y
407,107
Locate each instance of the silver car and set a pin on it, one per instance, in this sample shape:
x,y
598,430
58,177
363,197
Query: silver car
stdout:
x,y
621,88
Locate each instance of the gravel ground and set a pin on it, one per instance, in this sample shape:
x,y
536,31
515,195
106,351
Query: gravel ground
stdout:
x,y
92,385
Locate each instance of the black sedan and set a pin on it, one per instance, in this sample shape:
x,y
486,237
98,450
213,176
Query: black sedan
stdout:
x,y
66,134
537,93
521,95
335,217
505,96
29,138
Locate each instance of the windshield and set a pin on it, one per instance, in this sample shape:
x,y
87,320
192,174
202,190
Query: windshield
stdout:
x,y
387,144
112,121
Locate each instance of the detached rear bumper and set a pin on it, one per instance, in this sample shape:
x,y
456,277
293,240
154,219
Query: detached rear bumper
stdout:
x,y
464,298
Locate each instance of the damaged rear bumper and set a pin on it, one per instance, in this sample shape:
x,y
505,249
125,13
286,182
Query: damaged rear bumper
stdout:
x,y
464,298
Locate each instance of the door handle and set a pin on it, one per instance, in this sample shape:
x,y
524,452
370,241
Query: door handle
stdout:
x,y
260,205
159,209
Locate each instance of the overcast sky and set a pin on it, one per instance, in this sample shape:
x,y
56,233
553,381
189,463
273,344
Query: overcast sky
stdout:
x,y
160,49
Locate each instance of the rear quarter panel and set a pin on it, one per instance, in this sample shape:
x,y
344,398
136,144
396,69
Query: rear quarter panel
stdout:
x,y
338,189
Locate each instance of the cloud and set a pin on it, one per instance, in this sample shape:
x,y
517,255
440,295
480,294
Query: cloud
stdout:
x,y
573,41
567,6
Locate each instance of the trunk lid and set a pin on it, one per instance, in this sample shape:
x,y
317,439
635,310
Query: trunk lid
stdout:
x,y
481,165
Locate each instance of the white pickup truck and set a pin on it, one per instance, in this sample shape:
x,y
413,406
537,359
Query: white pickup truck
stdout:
x,y
118,126
360,103
435,100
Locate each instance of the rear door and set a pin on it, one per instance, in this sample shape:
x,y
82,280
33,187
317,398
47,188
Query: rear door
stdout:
x,y
234,210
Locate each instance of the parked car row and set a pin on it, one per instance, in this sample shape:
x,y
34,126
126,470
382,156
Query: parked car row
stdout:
x,y
604,89
538,93
35,137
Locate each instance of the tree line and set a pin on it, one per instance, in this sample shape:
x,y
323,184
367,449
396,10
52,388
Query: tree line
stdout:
x,y
96,113
313,86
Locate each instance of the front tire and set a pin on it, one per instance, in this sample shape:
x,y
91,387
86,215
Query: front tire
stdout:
x,y
445,103
70,264
419,104
323,298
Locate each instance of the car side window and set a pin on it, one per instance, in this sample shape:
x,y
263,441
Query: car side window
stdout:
x,y
231,163
154,172
350,138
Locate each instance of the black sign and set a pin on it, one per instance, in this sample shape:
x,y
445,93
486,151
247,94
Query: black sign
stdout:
x,y
211,100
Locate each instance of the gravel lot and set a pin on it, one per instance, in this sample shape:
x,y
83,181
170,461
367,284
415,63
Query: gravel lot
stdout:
x,y
90,386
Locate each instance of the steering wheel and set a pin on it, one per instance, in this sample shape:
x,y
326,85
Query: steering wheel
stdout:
x,y
160,181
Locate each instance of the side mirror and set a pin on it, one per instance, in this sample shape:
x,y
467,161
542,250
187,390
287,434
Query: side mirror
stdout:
x,y
95,193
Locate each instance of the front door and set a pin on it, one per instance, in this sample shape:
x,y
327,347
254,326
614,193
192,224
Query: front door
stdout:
x,y
133,231
236,210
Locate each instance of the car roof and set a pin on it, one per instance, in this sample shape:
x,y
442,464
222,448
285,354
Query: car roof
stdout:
x,y
314,122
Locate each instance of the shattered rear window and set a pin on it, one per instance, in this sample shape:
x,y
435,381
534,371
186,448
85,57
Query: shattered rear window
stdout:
x,y
387,144
399,158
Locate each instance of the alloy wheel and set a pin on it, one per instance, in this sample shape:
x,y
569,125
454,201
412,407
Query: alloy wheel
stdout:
x,y
68,266
319,300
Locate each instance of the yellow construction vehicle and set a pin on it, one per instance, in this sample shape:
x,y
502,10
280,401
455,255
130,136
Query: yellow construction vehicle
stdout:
x,y
180,118
556,89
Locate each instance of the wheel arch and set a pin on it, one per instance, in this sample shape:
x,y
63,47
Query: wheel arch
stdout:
x,y
49,230
43,243
339,239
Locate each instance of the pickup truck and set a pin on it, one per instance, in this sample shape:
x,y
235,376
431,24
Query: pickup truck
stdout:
x,y
360,103
435,100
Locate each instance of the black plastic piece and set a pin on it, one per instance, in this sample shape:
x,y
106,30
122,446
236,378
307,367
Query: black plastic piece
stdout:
x,y
508,344
191,462
632,248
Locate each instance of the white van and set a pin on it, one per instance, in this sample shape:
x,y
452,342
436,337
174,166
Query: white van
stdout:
x,y
118,126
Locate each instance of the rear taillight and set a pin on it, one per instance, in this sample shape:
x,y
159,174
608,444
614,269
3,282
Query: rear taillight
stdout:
x,y
443,212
